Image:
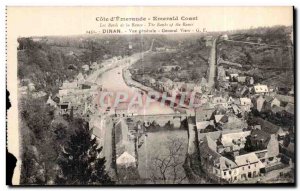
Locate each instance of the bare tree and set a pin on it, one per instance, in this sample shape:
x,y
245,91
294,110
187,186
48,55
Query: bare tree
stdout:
x,y
167,167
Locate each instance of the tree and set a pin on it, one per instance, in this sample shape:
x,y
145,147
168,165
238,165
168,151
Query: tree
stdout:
x,y
167,168
80,159
38,151
37,116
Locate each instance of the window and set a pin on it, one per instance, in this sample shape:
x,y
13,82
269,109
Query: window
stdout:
x,y
230,172
249,166
243,168
224,173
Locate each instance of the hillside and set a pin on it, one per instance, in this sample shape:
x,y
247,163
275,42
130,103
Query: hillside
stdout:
x,y
191,55
271,54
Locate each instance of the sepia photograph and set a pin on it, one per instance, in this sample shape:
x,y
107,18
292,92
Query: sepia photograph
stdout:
x,y
152,98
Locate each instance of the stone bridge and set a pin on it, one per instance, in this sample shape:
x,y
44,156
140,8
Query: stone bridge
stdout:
x,y
162,119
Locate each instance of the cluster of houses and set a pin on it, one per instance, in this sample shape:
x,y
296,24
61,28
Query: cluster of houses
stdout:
x,y
235,156
92,66
232,150
262,97
76,97
245,92
229,79
173,87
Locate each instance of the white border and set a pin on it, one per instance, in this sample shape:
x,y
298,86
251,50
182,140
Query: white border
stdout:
x,y
3,4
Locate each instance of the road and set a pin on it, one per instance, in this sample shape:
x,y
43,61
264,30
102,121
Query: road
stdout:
x,y
212,65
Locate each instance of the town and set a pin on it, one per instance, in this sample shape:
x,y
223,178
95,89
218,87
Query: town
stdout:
x,y
242,129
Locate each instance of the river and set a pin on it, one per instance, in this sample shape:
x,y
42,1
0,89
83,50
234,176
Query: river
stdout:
x,y
156,142
112,81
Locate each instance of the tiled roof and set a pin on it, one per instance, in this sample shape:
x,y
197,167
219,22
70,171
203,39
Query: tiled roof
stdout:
x,y
226,163
202,124
234,123
246,159
276,109
125,158
266,126
227,139
268,98
208,150
290,108
213,135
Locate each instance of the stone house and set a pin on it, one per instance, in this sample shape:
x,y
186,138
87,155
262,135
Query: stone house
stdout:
x,y
245,104
232,143
220,101
219,167
249,166
241,79
270,102
260,140
261,89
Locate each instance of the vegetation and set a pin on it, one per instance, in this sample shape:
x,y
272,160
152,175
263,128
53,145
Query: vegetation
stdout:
x,y
38,151
80,160
129,175
166,168
45,66
49,61
286,122
192,57
43,138
270,61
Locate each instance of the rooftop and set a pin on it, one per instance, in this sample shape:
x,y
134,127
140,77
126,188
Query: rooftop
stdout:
x,y
245,159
